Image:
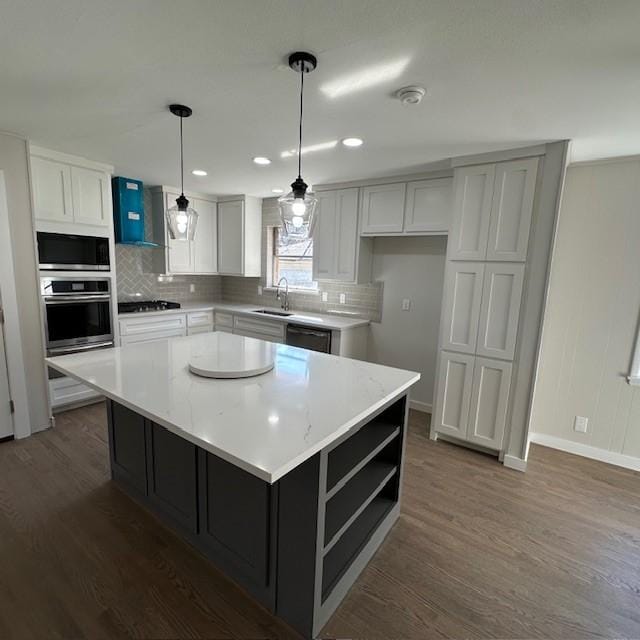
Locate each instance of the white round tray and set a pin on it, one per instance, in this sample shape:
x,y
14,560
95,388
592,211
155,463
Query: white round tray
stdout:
x,y
252,358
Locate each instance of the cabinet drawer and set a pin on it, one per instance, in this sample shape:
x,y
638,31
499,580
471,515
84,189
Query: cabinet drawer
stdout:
x,y
259,328
223,321
134,326
199,318
205,328
65,391
151,336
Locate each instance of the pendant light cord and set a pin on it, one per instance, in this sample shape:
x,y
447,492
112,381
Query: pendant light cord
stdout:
x,y
300,130
181,161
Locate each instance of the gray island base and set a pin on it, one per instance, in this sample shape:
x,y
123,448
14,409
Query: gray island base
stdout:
x,y
298,544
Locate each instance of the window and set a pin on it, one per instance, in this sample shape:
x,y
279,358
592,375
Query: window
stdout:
x,y
292,259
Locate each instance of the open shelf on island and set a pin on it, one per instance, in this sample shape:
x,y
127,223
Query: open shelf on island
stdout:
x,y
353,454
346,549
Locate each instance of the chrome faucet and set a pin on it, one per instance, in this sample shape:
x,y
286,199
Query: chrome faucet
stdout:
x,y
285,297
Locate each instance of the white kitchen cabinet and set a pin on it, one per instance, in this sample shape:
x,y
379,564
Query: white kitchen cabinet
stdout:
x,y
65,392
270,330
179,253
339,254
199,322
239,237
51,190
382,208
500,311
205,243
223,322
511,210
472,202
489,402
461,306
428,206
91,192
147,328
453,396
65,193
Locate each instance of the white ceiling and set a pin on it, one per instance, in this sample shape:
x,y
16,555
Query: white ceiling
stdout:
x,y
94,77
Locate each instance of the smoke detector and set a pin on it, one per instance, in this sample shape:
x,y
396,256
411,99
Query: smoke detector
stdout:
x,y
411,95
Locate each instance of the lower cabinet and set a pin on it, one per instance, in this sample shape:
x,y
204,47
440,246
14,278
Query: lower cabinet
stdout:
x,y
273,331
472,398
127,446
65,392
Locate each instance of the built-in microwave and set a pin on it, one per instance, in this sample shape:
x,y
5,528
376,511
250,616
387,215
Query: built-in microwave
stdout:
x,y
71,252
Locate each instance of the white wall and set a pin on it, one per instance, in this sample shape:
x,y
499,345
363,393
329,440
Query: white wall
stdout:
x,y
592,317
14,163
410,268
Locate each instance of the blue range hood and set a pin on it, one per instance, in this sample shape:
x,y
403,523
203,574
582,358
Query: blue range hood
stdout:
x,y
128,212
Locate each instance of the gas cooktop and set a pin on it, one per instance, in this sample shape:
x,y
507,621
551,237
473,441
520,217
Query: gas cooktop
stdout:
x,y
139,306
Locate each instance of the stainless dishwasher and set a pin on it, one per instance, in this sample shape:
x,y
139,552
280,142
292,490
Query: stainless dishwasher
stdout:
x,y
309,338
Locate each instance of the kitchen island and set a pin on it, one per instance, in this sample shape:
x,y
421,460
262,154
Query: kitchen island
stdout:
x,y
288,481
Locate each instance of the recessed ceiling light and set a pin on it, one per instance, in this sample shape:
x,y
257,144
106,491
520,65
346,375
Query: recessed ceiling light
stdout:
x,y
352,142
276,190
261,160
199,172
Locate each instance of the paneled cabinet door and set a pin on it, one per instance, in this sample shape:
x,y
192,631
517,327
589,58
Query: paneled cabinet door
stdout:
x,y
428,206
461,307
489,402
179,252
91,196
513,192
324,237
51,190
500,310
454,393
383,208
473,193
346,237
231,237
205,244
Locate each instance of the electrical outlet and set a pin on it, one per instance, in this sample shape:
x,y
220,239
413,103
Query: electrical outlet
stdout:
x,y
406,304
192,288
325,296
259,289
580,424
343,298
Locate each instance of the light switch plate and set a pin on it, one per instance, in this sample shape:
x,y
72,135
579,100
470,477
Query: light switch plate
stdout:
x,y
343,298
580,424
325,296
406,304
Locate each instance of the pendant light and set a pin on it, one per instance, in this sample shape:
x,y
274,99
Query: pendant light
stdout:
x,y
297,208
181,218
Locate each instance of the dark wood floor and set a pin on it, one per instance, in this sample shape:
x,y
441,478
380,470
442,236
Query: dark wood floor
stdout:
x,y
479,552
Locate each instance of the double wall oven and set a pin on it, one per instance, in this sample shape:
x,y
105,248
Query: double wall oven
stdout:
x,y
77,313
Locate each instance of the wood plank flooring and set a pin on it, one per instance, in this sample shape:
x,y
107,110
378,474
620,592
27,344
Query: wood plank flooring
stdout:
x,y
480,551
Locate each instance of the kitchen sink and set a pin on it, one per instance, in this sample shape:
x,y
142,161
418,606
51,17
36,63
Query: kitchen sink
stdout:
x,y
268,312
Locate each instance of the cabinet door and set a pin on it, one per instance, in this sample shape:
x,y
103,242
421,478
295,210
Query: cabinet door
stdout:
x,y
428,206
489,402
180,253
500,310
205,244
455,378
91,196
346,237
383,209
231,238
127,446
515,184
324,237
473,193
461,310
51,190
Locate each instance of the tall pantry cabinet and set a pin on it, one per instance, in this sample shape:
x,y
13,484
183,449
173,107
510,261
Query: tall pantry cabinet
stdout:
x,y
483,293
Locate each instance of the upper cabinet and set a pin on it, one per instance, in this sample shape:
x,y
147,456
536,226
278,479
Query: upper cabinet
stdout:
x,y
339,254
205,244
64,192
421,207
240,237
492,210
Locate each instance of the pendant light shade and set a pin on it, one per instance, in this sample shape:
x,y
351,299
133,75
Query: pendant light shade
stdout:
x,y
298,207
181,218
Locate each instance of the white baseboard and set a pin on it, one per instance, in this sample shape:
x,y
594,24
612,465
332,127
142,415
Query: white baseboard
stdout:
x,y
611,457
424,407
511,462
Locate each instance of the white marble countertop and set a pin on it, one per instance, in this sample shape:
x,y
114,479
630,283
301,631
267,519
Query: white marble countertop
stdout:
x,y
321,320
266,425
